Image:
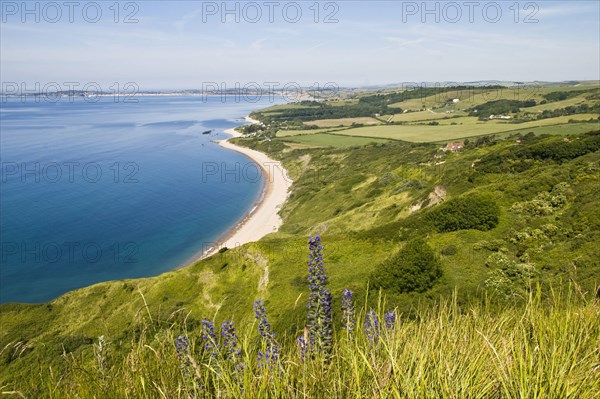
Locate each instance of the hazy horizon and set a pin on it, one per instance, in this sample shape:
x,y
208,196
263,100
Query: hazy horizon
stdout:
x,y
183,45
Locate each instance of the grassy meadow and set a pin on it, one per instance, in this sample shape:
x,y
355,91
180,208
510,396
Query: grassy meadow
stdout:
x,y
443,352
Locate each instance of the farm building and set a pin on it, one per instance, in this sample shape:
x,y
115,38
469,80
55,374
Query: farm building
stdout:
x,y
455,147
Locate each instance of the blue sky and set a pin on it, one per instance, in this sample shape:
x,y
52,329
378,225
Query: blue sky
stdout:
x,y
183,44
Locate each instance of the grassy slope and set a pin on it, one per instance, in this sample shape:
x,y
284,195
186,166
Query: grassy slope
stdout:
x,y
470,98
357,198
342,194
445,352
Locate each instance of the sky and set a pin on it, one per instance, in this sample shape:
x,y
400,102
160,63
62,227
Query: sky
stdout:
x,y
195,44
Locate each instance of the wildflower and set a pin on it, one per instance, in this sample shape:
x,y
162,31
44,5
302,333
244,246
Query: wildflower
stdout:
x,y
390,319
316,265
372,327
271,347
186,364
348,317
210,337
230,344
302,346
319,303
182,346
264,328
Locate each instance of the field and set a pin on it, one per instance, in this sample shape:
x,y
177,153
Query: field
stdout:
x,y
428,134
422,116
297,132
478,96
432,119
332,140
558,130
581,99
343,122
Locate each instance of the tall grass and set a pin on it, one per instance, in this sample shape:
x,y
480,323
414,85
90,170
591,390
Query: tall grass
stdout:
x,y
539,350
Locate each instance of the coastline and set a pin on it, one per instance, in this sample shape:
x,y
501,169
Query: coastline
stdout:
x,y
263,218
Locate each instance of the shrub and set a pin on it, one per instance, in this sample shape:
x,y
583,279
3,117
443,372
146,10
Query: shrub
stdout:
x,y
509,279
450,250
414,269
545,203
471,212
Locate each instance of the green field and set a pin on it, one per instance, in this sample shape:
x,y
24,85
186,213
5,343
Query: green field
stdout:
x,y
337,103
333,140
471,98
296,132
559,104
282,107
448,121
557,130
343,122
427,133
423,116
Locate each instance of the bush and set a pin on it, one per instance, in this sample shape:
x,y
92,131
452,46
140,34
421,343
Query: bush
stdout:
x,y
450,250
545,203
471,212
414,269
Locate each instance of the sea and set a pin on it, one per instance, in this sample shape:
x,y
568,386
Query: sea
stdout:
x,y
98,189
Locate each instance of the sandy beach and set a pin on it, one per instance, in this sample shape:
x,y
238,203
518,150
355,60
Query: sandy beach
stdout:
x,y
263,218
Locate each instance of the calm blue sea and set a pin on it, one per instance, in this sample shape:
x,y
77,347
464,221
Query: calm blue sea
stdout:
x,y
97,191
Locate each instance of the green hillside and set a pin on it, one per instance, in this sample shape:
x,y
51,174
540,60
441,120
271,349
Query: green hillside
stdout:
x,y
437,114
506,230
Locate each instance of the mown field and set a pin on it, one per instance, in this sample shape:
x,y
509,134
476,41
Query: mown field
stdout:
x,y
470,127
433,134
332,140
294,132
422,116
342,122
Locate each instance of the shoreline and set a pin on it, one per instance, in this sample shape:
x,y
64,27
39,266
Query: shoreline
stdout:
x,y
263,218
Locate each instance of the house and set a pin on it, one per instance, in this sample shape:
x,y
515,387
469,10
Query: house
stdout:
x,y
500,117
455,147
